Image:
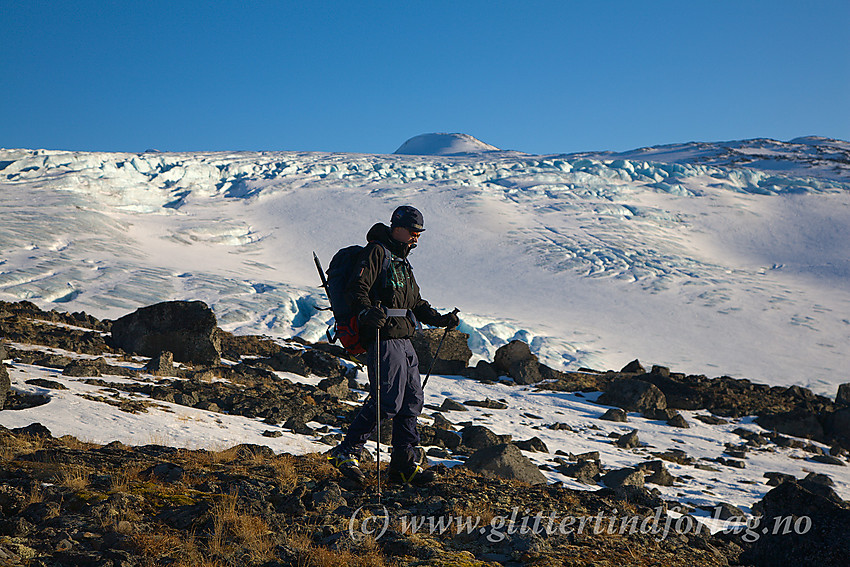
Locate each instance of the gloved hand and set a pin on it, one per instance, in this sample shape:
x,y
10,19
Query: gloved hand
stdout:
x,y
372,317
449,320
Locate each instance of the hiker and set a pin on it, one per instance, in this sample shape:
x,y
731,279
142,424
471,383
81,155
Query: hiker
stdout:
x,y
392,308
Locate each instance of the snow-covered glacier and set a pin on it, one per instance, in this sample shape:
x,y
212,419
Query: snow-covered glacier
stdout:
x,y
680,255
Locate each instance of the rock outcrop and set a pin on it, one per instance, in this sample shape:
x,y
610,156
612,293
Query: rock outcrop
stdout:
x,y
188,329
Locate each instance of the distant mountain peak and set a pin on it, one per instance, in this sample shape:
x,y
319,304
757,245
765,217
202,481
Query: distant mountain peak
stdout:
x,y
442,144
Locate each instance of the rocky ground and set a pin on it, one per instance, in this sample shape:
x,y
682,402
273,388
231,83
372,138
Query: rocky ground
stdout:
x,y
67,502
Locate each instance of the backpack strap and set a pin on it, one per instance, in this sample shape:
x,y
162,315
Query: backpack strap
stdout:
x,y
383,277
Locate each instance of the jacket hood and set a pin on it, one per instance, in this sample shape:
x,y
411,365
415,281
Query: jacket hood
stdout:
x,y
383,234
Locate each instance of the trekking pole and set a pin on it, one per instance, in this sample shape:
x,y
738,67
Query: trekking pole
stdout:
x,y
378,399
436,354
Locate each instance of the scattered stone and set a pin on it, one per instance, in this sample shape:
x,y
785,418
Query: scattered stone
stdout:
x,y
166,472
44,383
328,499
451,405
629,440
624,477
534,445
734,463
660,475
337,386
585,471
505,461
615,414
777,478
677,456
711,419
634,367
483,371
272,433
662,371
161,365
724,511
659,414
84,368
479,437
678,421
440,422
488,404
188,329
559,427
819,478
828,460
589,456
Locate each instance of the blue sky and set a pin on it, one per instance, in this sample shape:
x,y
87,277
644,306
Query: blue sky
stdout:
x,y
540,77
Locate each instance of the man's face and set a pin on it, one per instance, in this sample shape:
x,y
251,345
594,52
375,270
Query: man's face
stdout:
x,y
405,235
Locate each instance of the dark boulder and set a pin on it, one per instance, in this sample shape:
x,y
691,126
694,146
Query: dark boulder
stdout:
x,y
838,426
585,471
188,329
633,395
843,396
818,529
453,357
658,473
337,387
505,461
629,440
526,372
615,414
634,367
477,437
678,421
624,477
511,353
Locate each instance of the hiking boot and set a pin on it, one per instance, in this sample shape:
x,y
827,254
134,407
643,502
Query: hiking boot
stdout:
x,y
414,475
346,462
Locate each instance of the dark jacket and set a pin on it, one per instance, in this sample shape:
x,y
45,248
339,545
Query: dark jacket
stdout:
x,y
400,291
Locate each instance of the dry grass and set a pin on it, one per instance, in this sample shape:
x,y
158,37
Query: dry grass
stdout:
x,y
13,446
311,555
474,509
169,547
36,493
247,531
285,472
123,479
73,477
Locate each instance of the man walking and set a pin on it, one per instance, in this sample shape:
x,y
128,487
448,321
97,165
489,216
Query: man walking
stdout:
x,y
389,301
